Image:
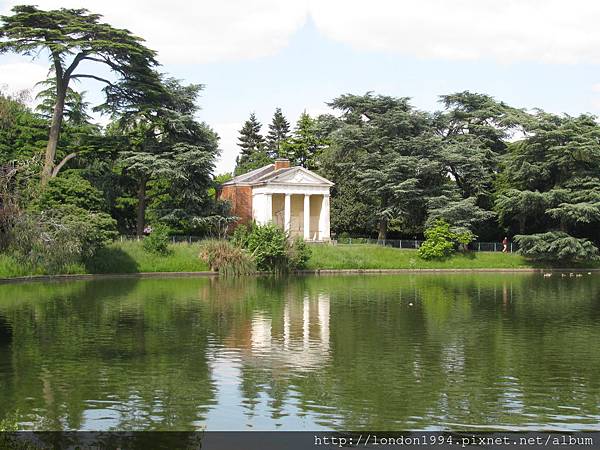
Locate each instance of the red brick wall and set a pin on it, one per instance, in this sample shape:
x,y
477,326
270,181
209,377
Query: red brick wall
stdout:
x,y
240,198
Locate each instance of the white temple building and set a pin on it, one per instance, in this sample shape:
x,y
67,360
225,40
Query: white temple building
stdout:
x,y
293,198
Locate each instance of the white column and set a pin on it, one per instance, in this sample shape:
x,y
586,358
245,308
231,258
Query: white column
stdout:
x,y
324,219
269,208
287,213
306,217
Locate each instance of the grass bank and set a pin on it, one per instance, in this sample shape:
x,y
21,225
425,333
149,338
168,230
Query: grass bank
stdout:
x,y
130,257
365,256
120,257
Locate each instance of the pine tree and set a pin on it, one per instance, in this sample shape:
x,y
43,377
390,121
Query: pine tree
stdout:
x,y
253,154
305,143
279,132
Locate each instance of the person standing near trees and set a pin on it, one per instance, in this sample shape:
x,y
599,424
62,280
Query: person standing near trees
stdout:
x,y
505,245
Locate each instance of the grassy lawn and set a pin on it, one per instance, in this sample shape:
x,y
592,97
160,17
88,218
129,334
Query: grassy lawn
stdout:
x,y
120,257
130,257
365,256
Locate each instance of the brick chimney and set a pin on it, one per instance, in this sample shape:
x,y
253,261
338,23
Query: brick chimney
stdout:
x,y
282,163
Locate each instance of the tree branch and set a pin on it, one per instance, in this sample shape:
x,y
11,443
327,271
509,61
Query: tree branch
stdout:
x,y
102,80
65,160
80,57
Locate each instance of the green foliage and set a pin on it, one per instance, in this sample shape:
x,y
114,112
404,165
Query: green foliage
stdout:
x,y
556,246
70,188
241,235
58,238
268,244
271,248
158,240
305,144
226,258
253,154
279,131
441,241
298,254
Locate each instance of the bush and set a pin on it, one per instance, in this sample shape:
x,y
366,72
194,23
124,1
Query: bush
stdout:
x,y
268,244
227,259
441,241
556,246
241,235
70,188
61,237
271,248
158,240
298,254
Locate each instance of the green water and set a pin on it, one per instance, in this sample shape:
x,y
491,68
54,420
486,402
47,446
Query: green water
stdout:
x,y
394,352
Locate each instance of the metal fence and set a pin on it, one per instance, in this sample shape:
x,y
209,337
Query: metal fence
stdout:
x,y
395,243
174,239
415,244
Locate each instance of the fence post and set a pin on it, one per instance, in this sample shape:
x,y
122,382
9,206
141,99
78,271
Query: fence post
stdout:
x,y
511,247
189,239
479,246
494,246
400,244
173,237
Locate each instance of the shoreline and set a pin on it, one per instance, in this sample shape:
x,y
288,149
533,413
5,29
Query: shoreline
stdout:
x,y
208,274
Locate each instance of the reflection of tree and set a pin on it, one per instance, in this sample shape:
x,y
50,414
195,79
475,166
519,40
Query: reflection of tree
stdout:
x,y
139,346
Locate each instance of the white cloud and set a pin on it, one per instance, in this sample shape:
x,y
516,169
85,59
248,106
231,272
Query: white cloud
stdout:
x,y
21,76
596,87
554,31
228,132
199,31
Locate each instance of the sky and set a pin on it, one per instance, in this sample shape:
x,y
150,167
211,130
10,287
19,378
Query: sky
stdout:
x,y
254,56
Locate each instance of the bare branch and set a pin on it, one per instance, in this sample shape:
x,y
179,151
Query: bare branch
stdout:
x,y
65,160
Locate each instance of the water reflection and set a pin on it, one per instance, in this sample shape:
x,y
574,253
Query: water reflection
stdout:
x,y
378,352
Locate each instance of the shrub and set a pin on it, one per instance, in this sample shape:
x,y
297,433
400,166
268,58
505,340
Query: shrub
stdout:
x,y
556,246
158,240
268,244
241,234
61,237
441,241
298,254
271,248
227,259
70,188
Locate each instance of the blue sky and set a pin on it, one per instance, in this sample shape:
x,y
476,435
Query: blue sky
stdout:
x,y
299,55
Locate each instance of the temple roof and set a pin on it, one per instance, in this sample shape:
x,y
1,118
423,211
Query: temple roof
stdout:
x,y
289,175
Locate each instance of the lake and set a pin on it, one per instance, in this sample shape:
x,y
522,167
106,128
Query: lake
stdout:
x,y
378,352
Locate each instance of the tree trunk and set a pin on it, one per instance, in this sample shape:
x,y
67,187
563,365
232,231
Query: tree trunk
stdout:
x,y
383,225
55,125
522,225
141,211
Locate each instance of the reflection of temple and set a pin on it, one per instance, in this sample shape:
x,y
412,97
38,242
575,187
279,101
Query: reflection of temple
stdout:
x,y
297,337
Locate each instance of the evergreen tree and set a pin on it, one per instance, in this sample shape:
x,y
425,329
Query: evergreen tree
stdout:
x,y
279,132
552,191
169,155
303,147
253,152
70,37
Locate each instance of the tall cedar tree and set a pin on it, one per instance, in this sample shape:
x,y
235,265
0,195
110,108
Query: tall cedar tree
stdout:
x,y
279,132
70,37
253,154
169,154
551,193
